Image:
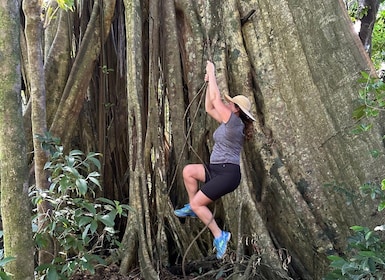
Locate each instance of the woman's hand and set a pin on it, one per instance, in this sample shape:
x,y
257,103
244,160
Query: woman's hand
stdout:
x,y
210,70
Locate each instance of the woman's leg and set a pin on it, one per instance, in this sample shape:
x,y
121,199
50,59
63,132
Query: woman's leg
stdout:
x,y
192,174
199,205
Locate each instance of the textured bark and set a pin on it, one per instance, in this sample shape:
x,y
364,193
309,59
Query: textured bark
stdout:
x,y
306,100
136,137
74,93
15,210
57,57
33,35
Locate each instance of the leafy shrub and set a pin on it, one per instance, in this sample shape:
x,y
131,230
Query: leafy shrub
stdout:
x,y
378,40
366,258
357,11
81,228
371,100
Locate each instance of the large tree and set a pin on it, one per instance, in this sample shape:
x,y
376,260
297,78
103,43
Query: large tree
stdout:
x,y
299,62
15,210
126,80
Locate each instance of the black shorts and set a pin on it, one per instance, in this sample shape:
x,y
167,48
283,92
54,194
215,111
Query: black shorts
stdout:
x,y
221,179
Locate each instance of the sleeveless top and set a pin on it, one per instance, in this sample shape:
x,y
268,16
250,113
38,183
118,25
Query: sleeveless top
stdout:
x,y
228,141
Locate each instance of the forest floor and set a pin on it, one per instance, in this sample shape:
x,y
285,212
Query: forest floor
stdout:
x,y
104,273
207,269
112,273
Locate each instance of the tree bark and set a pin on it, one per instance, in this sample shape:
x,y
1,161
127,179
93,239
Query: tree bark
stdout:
x,y
74,93
57,57
15,210
136,137
33,35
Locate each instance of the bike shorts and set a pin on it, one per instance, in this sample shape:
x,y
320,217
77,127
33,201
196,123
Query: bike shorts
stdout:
x,y
221,179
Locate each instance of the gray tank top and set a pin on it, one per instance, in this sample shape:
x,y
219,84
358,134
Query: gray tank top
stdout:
x,y
228,138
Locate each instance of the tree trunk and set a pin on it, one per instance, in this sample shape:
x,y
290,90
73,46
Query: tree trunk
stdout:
x,y
33,35
297,201
140,218
369,9
15,210
74,94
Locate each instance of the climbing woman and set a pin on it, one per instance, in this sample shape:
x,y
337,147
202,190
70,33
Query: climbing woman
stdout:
x,y
223,174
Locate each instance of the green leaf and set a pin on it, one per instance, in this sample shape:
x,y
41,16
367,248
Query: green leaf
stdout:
x,y
357,228
110,230
348,266
85,221
41,241
106,200
4,276
76,153
368,235
108,219
367,253
71,170
375,153
82,186
381,206
47,165
383,184
85,232
95,161
52,274
95,181
94,226
90,207
365,75
359,112
337,262
6,260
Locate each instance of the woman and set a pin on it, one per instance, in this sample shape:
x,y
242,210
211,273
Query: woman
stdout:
x,y
223,174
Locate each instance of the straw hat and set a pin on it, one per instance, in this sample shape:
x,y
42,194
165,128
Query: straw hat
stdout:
x,y
243,103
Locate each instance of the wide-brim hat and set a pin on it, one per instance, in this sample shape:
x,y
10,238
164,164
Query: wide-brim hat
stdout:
x,y
243,103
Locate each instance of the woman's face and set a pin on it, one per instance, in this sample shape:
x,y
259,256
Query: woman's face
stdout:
x,y
232,107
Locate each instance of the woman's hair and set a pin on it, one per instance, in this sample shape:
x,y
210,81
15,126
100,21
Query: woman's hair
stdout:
x,y
248,131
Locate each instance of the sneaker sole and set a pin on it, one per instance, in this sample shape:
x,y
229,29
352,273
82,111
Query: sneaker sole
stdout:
x,y
185,216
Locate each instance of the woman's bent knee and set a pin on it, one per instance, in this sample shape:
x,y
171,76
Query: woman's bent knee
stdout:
x,y
194,171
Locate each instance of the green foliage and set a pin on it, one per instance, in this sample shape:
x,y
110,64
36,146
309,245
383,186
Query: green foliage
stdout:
x,y
51,10
365,260
365,255
81,228
3,262
354,10
378,36
375,192
378,40
371,101
66,4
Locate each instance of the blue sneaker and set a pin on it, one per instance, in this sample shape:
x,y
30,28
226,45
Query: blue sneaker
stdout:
x,y
220,243
185,212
